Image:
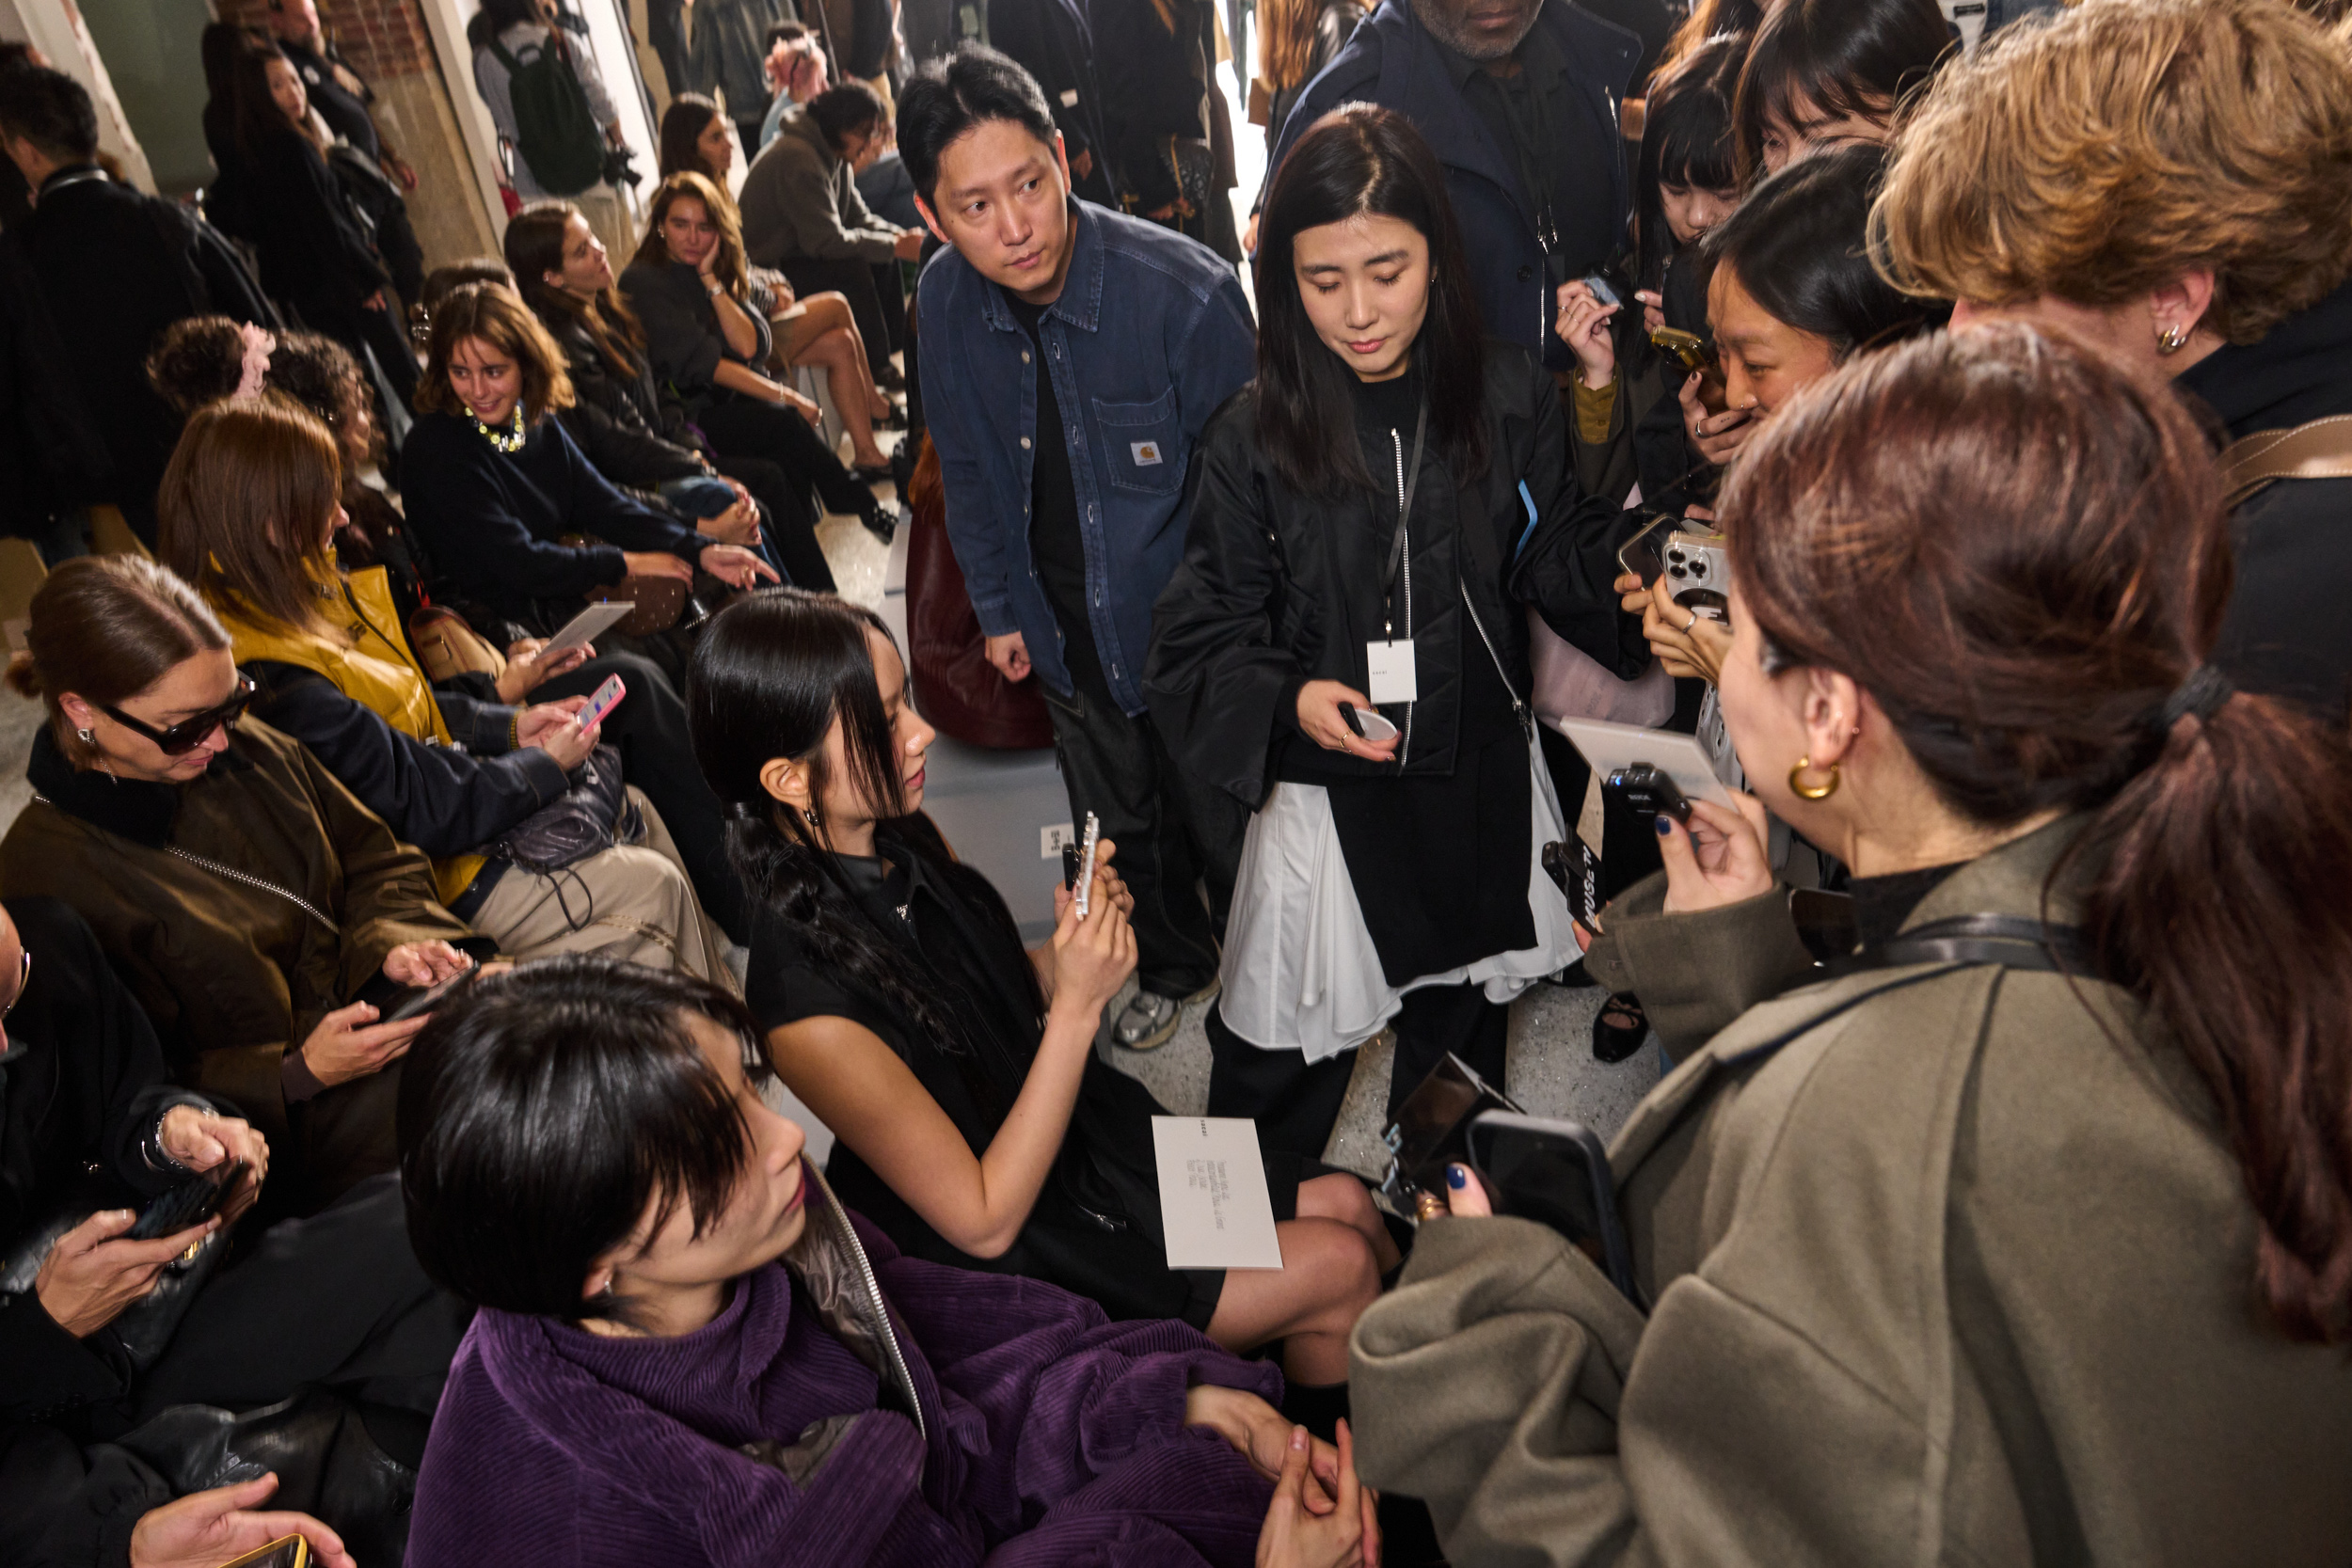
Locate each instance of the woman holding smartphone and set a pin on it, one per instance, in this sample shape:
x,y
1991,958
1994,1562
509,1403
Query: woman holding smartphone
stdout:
x,y
977,1127
1373,512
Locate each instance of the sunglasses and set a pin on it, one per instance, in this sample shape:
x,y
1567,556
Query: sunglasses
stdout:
x,y
190,731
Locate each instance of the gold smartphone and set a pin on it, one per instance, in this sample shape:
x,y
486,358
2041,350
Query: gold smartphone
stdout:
x,y
1688,349
291,1551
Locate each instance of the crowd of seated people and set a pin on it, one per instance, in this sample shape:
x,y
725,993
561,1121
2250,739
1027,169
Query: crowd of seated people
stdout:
x,y
391,1047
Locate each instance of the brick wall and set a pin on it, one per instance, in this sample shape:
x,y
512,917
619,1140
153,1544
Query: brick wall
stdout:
x,y
381,37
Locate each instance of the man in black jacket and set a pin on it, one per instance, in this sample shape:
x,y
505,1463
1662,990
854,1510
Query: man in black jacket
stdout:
x,y
1519,99
342,99
88,1126
111,267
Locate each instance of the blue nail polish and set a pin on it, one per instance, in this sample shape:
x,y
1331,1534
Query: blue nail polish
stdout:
x,y
1457,1178
1665,825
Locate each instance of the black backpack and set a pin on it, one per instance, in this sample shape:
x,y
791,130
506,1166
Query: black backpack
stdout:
x,y
555,130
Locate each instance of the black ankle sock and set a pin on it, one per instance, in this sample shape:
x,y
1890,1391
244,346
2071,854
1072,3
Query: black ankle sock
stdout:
x,y
1315,1406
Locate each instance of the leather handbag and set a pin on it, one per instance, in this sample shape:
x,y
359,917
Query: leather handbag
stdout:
x,y
448,646
580,822
659,601
955,686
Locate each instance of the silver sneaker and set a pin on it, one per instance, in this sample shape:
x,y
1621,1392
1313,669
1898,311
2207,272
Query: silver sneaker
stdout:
x,y
1147,1021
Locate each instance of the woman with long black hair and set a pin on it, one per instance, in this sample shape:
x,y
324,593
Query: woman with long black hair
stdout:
x,y
976,1125
1374,513
315,250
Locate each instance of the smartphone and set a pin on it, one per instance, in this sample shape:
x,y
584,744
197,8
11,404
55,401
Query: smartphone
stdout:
x,y
1601,291
1557,1174
1373,725
1085,884
1643,555
602,701
1648,793
416,999
1687,349
191,1202
287,1551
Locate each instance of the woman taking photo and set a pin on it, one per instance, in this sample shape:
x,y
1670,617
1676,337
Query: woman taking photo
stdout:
x,y
975,1124
258,912
315,253
2027,1234
1375,515
818,330
562,272
2222,137
688,1351
247,509
705,324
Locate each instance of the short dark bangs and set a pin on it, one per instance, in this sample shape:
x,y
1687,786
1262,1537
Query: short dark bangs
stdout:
x,y
1844,58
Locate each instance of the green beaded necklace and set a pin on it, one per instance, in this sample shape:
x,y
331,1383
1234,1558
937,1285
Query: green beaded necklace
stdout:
x,y
509,442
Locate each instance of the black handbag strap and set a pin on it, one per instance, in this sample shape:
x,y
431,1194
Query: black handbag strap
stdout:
x,y
2010,941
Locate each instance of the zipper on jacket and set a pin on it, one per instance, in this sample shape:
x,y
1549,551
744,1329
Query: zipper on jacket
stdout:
x,y
882,1314
1396,440
235,876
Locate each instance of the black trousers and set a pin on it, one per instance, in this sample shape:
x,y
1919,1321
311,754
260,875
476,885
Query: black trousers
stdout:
x,y
877,300
1296,1102
658,756
336,1299
1172,835
794,460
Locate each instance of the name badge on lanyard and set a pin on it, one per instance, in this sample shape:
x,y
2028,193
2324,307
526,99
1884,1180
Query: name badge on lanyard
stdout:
x,y
1390,668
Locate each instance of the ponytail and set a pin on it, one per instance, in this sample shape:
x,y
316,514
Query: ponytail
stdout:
x,y
2219,894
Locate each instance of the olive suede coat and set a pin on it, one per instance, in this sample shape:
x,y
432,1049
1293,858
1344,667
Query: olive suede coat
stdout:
x,y
1944,1271
233,976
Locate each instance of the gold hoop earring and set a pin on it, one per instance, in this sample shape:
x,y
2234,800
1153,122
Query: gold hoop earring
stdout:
x,y
1804,791
2172,339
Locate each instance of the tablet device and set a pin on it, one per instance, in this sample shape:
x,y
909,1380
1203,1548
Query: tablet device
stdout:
x,y
1611,748
589,625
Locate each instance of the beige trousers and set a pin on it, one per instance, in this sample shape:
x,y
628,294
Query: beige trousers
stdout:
x,y
633,902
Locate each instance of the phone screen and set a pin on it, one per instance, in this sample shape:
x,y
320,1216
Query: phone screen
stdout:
x,y
1539,1175
1642,555
605,698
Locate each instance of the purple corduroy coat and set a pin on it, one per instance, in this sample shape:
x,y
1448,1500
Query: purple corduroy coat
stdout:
x,y
777,1436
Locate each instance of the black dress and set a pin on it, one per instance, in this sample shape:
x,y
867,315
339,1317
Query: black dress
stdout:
x,y
1096,1226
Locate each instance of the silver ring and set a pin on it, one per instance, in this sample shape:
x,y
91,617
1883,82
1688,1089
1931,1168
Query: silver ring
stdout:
x,y
1692,622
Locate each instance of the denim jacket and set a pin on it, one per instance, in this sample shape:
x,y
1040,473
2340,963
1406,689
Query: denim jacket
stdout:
x,y
1150,333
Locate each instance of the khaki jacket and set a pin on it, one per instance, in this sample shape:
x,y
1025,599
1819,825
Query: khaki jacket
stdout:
x,y
235,975
1950,1265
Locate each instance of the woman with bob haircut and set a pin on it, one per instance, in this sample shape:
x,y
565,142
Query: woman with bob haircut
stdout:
x,y
688,1351
2025,1233
707,330
2202,235
977,1126
819,329
1375,513
246,508
262,915
493,484
1829,74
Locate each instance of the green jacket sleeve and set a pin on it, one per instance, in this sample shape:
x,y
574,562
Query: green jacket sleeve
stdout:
x,y
388,897
1696,973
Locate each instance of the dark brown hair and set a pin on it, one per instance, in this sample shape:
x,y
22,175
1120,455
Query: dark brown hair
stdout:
x,y
245,507
685,185
534,248
2022,555
254,113
1844,57
199,359
496,314
106,628
683,122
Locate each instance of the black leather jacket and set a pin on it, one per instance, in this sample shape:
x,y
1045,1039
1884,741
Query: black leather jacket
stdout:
x,y
1277,588
620,422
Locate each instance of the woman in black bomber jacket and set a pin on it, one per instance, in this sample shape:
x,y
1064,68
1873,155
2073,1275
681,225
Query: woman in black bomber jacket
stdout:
x,y
1372,869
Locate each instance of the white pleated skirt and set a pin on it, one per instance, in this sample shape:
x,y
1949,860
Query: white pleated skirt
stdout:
x,y
1300,972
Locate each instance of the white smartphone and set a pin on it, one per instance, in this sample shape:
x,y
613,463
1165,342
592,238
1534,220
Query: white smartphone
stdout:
x,y
586,626
1374,725
602,702
1085,864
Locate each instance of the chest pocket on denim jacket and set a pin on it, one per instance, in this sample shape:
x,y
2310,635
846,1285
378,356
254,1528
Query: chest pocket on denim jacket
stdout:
x,y
1143,444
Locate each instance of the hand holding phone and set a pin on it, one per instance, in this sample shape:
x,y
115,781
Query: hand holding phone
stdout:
x,y
602,702
1373,725
191,1202
1082,891
1557,1174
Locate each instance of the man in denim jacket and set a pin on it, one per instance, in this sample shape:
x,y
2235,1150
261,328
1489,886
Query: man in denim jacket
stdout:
x,y
1066,491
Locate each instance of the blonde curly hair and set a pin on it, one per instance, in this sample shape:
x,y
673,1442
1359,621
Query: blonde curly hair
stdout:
x,y
2101,155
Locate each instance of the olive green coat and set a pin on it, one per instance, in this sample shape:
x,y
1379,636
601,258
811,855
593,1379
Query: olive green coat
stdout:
x,y
1950,1265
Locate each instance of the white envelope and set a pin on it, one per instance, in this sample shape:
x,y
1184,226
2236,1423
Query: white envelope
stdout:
x,y
1214,1204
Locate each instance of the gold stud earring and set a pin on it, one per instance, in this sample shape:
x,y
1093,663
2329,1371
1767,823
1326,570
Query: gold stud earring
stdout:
x,y
1804,791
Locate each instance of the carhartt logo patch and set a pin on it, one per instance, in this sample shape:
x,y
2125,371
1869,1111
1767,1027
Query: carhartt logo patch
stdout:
x,y
1146,454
